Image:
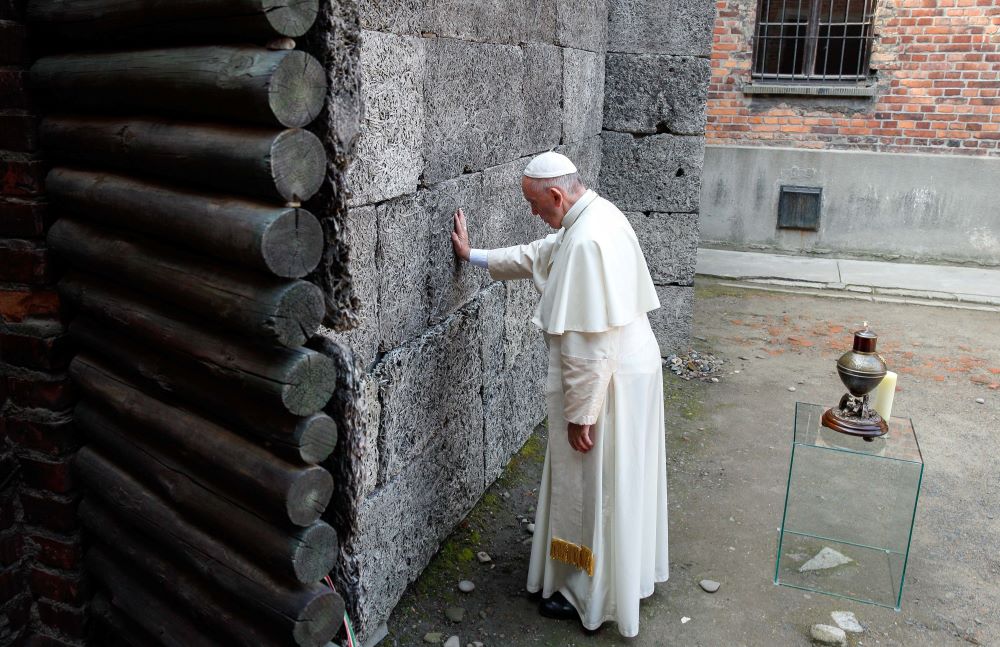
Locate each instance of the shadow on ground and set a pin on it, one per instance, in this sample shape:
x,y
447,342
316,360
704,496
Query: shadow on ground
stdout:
x,y
729,446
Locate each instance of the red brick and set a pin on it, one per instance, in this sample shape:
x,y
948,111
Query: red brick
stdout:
x,y
63,619
58,552
62,586
9,511
18,132
28,351
11,548
56,437
23,261
12,43
13,89
21,178
51,474
12,582
39,391
50,511
18,304
21,218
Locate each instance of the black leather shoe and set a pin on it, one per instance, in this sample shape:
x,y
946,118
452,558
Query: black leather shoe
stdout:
x,y
557,607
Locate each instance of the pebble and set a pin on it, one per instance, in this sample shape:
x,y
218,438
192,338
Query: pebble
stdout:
x,y
483,557
709,586
482,614
685,620
455,614
744,358
465,586
736,372
453,641
981,400
715,380
531,528
847,621
791,388
526,541
433,637
505,495
827,635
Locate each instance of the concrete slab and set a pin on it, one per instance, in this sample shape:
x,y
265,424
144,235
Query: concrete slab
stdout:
x,y
931,278
752,265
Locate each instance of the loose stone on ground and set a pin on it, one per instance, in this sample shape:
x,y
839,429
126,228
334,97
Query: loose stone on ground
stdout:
x,y
433,637
847,621
483,557
695,365
453,641
466,586
709,586
455,614
827,635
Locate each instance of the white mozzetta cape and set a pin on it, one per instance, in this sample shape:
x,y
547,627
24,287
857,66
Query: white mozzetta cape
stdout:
x,y
592,274
601,523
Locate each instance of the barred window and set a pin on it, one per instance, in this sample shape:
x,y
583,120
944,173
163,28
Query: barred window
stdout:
x,y
813,40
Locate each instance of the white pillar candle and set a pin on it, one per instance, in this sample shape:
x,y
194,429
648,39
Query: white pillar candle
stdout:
x,y
884,394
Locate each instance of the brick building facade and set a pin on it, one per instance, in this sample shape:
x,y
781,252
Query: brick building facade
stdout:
x,y
886,112
935,80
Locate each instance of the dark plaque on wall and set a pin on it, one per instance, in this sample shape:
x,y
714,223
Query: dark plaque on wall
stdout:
x,y
799,207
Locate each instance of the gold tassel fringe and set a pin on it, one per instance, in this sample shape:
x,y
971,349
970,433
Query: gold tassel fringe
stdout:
x,y
572,554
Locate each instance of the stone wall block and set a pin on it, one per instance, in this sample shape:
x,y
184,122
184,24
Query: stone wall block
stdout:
x,y
402,269
540,21
681,27
492,331
520,300
392,16
430,389
496,21
373,417
586,155
582,24
650,93
653,173
543,97
473,106
451,283
583,94
669,242
388,162
361,233
671,322
517,396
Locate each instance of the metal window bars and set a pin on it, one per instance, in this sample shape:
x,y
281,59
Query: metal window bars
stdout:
x,y
813,40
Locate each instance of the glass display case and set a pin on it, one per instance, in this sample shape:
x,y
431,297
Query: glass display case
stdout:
x,y
850,507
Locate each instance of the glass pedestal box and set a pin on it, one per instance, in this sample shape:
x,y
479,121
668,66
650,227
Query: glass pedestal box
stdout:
x,y
850,507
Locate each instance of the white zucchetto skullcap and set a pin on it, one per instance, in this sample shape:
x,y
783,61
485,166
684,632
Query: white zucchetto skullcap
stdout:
x,y
549,165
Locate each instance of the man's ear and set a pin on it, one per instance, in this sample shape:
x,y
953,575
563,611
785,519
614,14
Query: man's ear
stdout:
x,y
557,196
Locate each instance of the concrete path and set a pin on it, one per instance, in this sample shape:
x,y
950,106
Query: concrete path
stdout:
x,y
969,287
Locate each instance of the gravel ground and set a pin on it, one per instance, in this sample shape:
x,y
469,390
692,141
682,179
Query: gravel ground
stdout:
x,y
729,445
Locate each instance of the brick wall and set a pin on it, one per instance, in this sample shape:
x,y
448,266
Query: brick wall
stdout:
x,y
41,589
937,72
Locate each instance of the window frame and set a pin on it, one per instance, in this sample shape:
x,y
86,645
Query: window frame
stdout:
x,y
812,40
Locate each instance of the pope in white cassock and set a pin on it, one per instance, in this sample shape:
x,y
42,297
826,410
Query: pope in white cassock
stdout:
x,y
600,541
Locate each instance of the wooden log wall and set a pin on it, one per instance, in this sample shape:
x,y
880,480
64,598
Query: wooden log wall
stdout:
x,y
175,132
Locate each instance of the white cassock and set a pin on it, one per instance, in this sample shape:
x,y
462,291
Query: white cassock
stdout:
x,y
601,524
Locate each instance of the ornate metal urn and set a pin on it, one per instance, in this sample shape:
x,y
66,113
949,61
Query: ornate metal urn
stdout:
x,y
860,369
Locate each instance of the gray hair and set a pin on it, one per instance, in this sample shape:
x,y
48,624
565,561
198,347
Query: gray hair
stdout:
x,y
570,183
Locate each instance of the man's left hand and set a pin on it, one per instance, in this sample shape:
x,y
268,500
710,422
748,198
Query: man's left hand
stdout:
x,y
579,437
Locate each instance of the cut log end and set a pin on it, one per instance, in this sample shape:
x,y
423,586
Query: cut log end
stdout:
x,y
309,495
310,384
291,17
317,554
319,620
298,164
292,245
317,436
303,307
297,90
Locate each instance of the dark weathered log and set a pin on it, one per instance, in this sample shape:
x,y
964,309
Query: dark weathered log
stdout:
x,y
118,629
284,241
305,440
131,20
312,613
282,311
250,84
289,165
304,555
144,607
227,463
298,379
200,599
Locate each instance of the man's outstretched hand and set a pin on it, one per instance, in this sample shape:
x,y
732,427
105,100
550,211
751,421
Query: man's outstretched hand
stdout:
x,y
579,437
460,237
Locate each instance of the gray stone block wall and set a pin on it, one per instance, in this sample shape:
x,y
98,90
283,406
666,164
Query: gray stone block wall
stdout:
x,y
656,87
457,97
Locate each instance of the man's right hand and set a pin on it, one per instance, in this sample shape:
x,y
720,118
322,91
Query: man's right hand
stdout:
x,y
460,237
